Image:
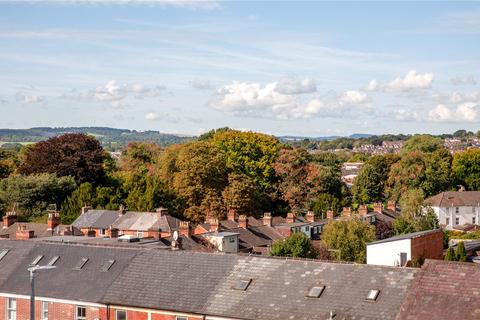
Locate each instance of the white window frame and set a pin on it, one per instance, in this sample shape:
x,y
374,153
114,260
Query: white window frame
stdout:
x,y
457,210
102,231
120,310
457,221
139,234
11,309
76,313
44,315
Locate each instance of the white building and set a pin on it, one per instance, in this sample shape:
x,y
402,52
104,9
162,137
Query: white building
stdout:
x,y
456,208
397,251
223,241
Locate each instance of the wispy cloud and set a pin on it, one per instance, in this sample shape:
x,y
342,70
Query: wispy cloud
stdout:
x,y
192,4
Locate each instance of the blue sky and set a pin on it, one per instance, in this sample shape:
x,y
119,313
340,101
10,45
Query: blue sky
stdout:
x,y
298,68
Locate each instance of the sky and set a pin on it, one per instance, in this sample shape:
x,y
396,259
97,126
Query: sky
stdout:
x,y
313,68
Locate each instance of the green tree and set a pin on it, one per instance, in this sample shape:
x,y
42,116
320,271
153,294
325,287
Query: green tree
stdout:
x,y
369,185
296,245
250,153
34,193
348,239
77,155
8,161
241,194
325,202
72,206
415,216
450,256
466,168
460,253
423,143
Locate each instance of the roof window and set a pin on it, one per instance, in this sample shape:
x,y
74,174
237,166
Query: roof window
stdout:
x,y
315,292
372,295
36,260
53,260
242,284
107,265
3,253
80,264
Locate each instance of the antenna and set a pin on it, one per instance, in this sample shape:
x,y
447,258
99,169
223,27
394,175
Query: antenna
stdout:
x,y
175,235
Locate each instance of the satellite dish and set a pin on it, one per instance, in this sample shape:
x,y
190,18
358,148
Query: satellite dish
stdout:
x,y
175,235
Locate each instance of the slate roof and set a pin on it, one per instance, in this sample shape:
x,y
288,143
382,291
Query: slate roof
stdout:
x,y
145,221
444,290
97,219
405,236
267,232
455,199
39,230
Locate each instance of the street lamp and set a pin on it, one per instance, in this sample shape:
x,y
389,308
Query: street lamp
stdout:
x,y
33,271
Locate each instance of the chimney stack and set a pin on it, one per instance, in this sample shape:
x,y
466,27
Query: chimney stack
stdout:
x,y
290,217
85,209
392,205
53,220
330,214
9,218
377,207
122,210
231,214
213,224
23,233
347,212
363,210
267,219
184,229
162,211
310,216
243,221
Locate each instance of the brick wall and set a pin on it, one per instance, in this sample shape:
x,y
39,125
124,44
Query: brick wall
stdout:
x,y
429,246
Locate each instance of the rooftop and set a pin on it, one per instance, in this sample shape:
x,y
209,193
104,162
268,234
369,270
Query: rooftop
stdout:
x,y
455,199
405,236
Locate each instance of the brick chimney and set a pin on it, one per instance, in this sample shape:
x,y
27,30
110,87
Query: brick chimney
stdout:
x,y
122,210
310,216
85,209
53,220
162,211
213,224
347,212
267,219
9,218
243,221
184,229
290,217
23,233
363,210
377,207
392,205
330,214
231,214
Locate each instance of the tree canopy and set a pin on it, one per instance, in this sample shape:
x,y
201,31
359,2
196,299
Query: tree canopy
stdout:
x,y
466,168
296,245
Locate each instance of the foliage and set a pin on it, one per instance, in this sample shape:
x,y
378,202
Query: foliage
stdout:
x,y
450,255
415,217
466,168
76,155
8,161
71,207
369,185
296,245
460,253
325,202
241,194
34,193
422,143
348,238
249,153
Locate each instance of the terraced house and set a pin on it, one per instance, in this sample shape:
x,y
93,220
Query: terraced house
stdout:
x,y
92,282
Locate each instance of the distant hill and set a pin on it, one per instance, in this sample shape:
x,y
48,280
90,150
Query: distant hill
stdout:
x,y
325,138
112,139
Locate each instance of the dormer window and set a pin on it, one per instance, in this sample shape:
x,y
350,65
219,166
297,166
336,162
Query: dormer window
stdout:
x,y
373,295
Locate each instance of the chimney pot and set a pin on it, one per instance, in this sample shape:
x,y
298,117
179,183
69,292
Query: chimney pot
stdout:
x,y
267,219
310,216
231,214
363,210
213,224
85,209
347,212
53,220
243,221
377,207
330,214
290,217
184,229
392,205
9,218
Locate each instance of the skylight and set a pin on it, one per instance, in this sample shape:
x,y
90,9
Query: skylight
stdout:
x,y
315,292
53,260
372,295
80,264
107,265
3,253
37,260
242,284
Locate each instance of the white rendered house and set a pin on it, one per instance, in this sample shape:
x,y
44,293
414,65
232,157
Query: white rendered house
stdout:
x,y
456,208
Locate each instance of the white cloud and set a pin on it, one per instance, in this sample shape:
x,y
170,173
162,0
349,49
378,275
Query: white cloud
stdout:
x,y
463,80
295,86
152,116
411,81
110,92
353,97
373,85
28,98
467,112
201,84
464,112
440,113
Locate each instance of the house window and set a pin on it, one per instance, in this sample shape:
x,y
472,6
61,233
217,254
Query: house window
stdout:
x,y
102,232
11,309
457,210
231,240
307,228
457,220
474,220
44,310
81,313
473,209
181,318
140,234
447,221
121,315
